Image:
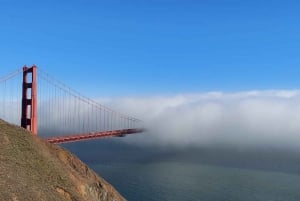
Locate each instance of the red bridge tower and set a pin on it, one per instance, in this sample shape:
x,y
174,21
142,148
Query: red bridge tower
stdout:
x,y
29,100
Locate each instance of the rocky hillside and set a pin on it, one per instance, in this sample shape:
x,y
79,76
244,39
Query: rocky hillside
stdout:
x,y
32,169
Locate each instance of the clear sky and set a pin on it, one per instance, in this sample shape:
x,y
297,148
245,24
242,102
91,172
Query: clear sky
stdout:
x,y
125,48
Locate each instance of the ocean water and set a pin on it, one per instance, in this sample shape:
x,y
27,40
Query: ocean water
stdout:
x,y
171,181
194,174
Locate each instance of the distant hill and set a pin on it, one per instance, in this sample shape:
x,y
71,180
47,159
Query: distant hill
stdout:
x,y
32,169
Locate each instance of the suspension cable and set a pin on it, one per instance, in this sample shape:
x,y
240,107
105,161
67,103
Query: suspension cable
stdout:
x,y
11,75
47,77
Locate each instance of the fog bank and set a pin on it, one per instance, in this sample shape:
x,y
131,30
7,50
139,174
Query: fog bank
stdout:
x,y
242,119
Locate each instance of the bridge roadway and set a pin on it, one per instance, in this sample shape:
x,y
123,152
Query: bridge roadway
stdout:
x,y
93,135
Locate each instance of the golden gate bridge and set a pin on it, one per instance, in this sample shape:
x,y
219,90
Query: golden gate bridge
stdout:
x,y
38,102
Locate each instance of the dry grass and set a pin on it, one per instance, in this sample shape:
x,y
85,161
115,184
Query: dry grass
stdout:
x,y
32,169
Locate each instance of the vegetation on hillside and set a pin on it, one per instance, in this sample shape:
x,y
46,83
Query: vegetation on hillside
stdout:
x,y
32,169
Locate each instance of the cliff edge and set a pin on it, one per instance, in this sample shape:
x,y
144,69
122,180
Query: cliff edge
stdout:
x,y
32,169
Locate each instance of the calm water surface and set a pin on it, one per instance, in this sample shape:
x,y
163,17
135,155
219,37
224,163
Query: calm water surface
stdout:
x,y
173,181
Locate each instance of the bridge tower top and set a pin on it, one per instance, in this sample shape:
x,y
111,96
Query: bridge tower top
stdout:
x,y
29,99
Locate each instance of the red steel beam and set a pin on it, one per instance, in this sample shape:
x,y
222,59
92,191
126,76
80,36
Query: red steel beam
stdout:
x,y
93,135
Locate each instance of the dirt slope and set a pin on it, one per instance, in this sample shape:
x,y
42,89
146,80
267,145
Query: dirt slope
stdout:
x,y
32,169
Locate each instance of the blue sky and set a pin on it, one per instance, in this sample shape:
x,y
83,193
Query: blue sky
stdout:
x,y
133,48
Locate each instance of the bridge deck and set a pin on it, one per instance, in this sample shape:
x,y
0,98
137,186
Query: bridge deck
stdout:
x,y
93,135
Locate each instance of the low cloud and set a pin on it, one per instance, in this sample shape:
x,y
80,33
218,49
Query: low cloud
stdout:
x,y
243,119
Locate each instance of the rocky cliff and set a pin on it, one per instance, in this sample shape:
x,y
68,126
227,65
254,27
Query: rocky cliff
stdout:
x,y
32,169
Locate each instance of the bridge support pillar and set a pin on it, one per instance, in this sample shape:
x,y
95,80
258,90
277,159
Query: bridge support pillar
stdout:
x,y
29,100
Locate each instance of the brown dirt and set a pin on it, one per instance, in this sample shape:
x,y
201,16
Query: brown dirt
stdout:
x,y
32,169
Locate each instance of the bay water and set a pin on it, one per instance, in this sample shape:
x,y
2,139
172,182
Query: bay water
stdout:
x,y
171,181
194,175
